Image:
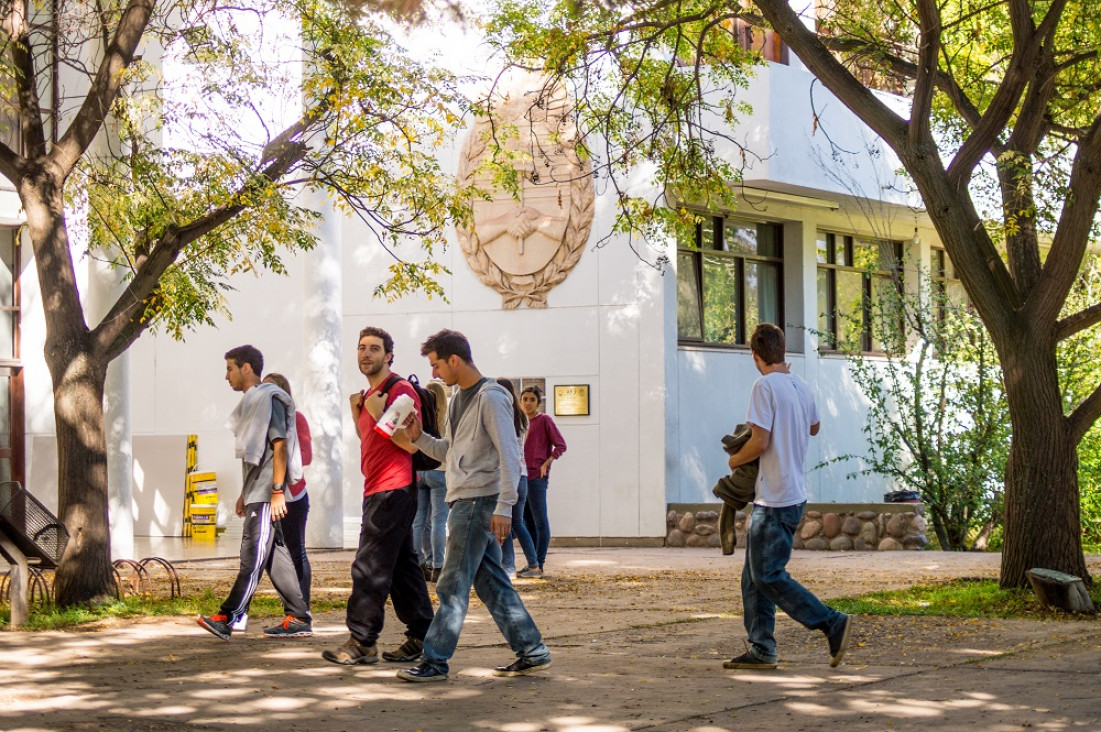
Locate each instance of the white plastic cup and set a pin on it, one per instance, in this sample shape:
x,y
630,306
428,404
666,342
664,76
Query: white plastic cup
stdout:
x,y
395,416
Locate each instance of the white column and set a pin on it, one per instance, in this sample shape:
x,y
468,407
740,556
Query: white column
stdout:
x,y
322,399
104,286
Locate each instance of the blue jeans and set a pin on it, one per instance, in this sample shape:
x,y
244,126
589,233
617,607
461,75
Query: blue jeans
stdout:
x,y
537,504
431,513
519,531
474,558
766,583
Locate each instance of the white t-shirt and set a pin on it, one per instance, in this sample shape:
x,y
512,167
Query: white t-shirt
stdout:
x,y
783,405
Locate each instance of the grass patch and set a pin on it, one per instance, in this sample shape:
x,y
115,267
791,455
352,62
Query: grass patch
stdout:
x,y
960,598
203,602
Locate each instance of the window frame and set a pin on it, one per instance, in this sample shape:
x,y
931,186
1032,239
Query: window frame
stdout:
x,y
867,284
718,225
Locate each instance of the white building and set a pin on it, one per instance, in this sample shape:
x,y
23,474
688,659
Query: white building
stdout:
x,y
662,356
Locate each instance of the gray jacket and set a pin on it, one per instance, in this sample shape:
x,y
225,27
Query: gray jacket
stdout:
x,y
481,454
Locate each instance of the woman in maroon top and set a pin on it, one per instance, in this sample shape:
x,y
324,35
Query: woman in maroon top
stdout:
x,y
298,503
544,445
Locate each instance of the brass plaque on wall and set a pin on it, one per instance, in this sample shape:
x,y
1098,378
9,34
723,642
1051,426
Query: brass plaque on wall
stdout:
x,y
571,400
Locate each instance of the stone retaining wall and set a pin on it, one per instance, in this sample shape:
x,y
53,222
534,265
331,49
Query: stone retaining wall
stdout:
x,y
825,526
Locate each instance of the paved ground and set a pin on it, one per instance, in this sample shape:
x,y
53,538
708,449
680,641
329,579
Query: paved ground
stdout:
x,y
638,637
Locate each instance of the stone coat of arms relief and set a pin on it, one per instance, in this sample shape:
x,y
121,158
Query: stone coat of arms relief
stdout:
x,y
522,247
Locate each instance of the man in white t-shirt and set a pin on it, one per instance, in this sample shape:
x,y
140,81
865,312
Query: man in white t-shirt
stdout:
x,y
784,417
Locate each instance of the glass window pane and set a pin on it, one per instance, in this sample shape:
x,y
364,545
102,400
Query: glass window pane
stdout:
x,y
885,306
740,238
770,240
707,235
824,334
823,248
866,255
7,333
762,295
688,299
720,299
7,268
850,310
842,250
5,409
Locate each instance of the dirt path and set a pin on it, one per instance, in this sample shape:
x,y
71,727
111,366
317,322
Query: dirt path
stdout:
x,y
638,636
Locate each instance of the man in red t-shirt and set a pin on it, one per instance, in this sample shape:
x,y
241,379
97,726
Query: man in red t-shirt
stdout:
x,y
386,564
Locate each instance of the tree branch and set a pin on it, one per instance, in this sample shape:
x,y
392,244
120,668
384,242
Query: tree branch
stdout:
x,y
1068,246
16,25
924,81
854,95
125,321
105,86
1028,44
1083,417
1078,322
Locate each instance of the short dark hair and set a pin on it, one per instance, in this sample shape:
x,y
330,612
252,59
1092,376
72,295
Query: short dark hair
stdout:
x,y
280,381
447,343
247,354
768,343
387,340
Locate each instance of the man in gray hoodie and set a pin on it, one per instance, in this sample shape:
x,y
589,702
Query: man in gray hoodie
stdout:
x,y
482,459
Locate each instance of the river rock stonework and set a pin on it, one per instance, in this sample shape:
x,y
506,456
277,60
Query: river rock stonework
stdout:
x,y
824,527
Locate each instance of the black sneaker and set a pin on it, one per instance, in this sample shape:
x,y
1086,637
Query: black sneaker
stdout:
x,y
422,672
351,653
291,627
434,576
839,641
522,667
216,624
410,650
749,661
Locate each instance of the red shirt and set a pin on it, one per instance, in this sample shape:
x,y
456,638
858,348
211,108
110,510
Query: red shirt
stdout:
x,y
305,446
385,466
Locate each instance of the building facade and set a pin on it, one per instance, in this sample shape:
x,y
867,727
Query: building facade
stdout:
x,y
660,354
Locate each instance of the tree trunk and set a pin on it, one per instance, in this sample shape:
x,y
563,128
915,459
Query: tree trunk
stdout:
x,y
85,573
1042,524
77,370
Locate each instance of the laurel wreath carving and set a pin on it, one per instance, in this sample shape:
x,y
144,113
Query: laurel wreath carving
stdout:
x,y
530,290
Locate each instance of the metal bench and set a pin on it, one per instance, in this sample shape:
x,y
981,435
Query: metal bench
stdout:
x,y
31,539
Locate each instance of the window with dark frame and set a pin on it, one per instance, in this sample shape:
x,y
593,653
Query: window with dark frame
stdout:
x,y
853,275
729,279
11,367
949,289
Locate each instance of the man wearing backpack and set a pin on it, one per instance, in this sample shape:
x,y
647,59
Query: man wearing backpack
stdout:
x,y
386,563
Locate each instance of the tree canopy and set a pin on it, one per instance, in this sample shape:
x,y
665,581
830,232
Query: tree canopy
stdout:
x,y
1001,139
188,140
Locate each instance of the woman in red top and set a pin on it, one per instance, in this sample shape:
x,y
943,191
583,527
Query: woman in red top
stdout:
x,y
544,445
298,503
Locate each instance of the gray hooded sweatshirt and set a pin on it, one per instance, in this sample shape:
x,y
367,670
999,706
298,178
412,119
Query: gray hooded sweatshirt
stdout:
x,y
480,453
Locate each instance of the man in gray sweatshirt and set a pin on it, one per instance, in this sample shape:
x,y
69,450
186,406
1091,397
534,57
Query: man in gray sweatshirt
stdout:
x,y
482,459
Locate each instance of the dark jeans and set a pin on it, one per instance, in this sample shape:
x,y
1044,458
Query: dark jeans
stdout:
x,y
294,531
473,558
537,503
264,549
519,531
386,565
767,585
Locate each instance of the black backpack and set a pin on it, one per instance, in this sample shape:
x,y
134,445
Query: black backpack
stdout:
x,y
421,462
